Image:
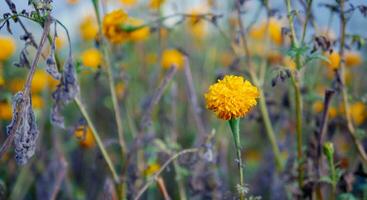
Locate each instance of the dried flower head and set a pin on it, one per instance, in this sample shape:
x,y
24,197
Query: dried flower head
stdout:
x,y
7,46
232,97
111,26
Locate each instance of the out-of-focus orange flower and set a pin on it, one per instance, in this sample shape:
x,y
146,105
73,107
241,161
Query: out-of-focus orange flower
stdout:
x,y
151,169
274,57
156,4
352,59
86,137
15,85
128,2
120,90
72,2
332,112
2,81
334,60
37,102
358,112
172,57
40,81
88,28
5,111
318,106
289,63
112,23
196,25
274,30
91,58
7,46
140,33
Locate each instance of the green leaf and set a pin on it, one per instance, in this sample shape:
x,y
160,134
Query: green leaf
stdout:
x,y
346,196
326,179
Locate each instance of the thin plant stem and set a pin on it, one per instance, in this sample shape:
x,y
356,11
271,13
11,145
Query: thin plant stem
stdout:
x,y
164,166
297,95
111,82
235,128
351,128
263,107
98,139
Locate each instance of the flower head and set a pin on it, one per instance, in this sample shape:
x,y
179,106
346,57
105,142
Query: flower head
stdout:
x,y
172,57
128,2
358,112
86,137
273,28
111,26
140,33
5,111
156,4
91,58
88,28
334,60
151,169
7,46
232,97
353,59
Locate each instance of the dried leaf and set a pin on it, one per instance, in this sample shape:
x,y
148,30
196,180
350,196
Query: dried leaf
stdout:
x,y
24,126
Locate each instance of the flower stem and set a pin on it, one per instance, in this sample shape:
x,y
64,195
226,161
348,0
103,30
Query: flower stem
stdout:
x,y
235,128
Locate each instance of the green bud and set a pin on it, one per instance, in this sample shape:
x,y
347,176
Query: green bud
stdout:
x,y
328,148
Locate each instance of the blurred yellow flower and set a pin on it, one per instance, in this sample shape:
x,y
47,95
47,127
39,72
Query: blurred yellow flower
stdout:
x,y
352,59
40,81
156,4
15,85
128,2
274,30
7,46
92,58
59,42
111,26
120,90
141,33
358,112
5,111
37,102
72,1
2,81
151,169
195,24
86,137
318,106
172,57
334,60
332,112
289,63
88,28
232,97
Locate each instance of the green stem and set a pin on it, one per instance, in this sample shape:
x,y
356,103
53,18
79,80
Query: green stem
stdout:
x,y
235,128
98,139
270,132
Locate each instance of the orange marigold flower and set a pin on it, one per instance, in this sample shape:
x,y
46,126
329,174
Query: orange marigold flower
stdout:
x,y
273,30
141,33
172,57
358,112
232,97
7,46
318,106
5,111
111,26
334,60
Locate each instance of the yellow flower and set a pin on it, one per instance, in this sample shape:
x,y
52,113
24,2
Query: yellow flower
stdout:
x,y
141,33
274,31
15,85
232,97
59,42
318,106
352,59
72,1
88,28
91,58
151,169
7,46
195,24
156,4
172,57
120,90
128,2
2,81
358,112
289,63
86,137
37,102
334,60
5,111
111,26
40,81
332,112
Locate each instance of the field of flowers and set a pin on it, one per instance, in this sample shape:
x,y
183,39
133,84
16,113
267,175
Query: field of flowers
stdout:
x,y
196,99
